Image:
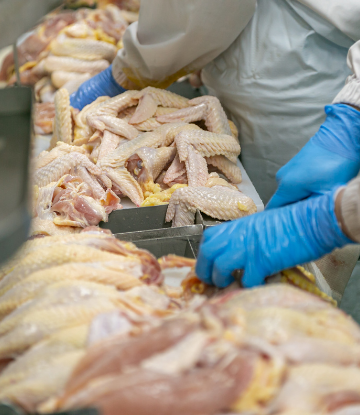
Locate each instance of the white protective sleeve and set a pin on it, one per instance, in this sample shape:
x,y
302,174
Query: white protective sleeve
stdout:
x,y
175,37
350,94
350,208
343,14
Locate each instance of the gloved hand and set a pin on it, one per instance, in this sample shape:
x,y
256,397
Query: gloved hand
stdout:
x,y
331,158
268,242
101,84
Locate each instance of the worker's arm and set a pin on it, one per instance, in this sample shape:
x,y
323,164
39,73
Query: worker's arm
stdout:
x,y
176,37
171,38
348,209
343,14
268,242
332,157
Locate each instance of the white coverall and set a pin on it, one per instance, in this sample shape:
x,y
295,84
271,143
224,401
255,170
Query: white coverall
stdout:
x,y
274,65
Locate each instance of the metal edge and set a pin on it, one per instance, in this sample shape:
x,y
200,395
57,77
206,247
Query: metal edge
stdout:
x,y
184,231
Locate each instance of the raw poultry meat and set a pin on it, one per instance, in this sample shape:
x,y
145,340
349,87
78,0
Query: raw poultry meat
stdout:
x,y
42,354
62,33
33,45
218,202
32,390
227,352
109,272
161,137
114,125
109,143
62,79
215,180
150,98
147,164
63,122
63,63
61,148
46,227
82,131
62,165
86,49
226,167
126,184
43,118
176,169
208,144
77,340
205,108
45,319
124,151
196,168
65,50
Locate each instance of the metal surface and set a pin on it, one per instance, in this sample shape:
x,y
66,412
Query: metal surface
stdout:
x,y
15,133
140,219
182,241
146,227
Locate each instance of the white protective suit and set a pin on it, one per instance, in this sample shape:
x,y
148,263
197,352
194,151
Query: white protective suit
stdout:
x,y
274,65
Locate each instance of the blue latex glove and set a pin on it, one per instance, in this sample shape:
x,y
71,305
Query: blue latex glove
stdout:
x,y
331,158
268,242
101,84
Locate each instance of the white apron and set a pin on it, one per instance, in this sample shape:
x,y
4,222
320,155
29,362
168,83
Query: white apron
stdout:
x,y
274,81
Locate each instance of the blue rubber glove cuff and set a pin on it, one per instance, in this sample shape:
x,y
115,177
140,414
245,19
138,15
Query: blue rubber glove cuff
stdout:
x,y
340,133
101,84
268,242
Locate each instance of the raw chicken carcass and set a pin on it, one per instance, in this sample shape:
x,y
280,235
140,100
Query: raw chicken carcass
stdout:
x,y
176,170
62,254
87,49
202,391
208,144
47,227
196,168
82,131
62,165
226,167
150,98
126,183
42,354
63,122
112,106
319,388
39,324
114,125
60,294
218,202
206,108
75,205
102,359
61,78
147,164
35,389
44,117
64,63
109,143
46,157
215,180
109,273
161,137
